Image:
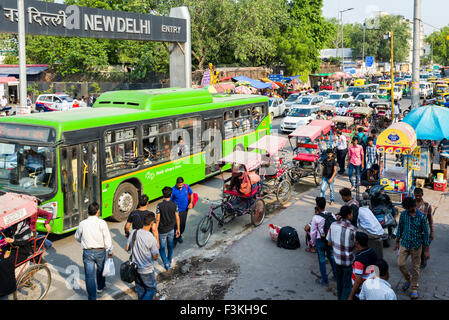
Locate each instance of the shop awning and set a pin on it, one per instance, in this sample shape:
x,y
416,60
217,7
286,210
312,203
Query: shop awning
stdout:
x,y
253,83
31,69
8,79
398,138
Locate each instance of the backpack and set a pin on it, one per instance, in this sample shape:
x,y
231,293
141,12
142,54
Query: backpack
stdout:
x,y
328,220
288,238
128,269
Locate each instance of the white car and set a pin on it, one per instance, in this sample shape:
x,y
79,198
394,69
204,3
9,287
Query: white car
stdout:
x,y
298,116
397,93
53,102
305,100
326,93
338,96
369,98
425,90
276,106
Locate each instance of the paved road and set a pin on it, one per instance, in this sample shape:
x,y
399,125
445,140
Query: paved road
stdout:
x,y
65,258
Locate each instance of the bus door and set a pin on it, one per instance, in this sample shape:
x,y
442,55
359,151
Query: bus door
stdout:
x,y
80,183
212,144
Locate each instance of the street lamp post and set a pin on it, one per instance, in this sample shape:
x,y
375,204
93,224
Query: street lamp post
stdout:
x,y
342,43
416,53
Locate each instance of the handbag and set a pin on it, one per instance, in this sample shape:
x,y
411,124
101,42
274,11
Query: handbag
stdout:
x,y
390,221
194,197
128,269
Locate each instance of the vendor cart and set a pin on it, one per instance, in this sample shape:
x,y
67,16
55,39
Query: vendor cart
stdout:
x,y
398,139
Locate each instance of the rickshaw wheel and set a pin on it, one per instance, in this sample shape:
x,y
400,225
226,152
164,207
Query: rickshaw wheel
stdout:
x,y
258,212
204,231
317,174
284,191
34,283
294,175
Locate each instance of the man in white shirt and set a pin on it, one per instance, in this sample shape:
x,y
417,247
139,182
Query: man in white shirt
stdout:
x,y
3,102
376,286
342,150
368,223
93,233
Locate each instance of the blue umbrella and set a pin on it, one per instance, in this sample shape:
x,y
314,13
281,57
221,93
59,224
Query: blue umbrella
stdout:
x,y
430,122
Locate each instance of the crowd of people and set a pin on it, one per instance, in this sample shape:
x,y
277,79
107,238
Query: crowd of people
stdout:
x,y
350,241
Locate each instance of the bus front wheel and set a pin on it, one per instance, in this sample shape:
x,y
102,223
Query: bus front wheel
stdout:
x,y
125,201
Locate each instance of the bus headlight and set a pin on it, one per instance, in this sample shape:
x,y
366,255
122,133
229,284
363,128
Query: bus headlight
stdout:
x,y
51,207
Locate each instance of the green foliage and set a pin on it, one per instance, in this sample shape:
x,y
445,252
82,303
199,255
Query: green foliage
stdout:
x,y
244,33
440,45
11,59
96,87
375,44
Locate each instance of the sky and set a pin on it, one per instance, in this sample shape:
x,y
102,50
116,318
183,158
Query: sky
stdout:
x,y
433,12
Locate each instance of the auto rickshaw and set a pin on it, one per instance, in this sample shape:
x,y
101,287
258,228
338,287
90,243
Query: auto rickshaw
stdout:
x,y
442,98
384,83
441,88
405,87
382,114
346,125
384,92
359,82
362,117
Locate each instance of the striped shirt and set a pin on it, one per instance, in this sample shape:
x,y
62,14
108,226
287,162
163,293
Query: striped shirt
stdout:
x,y
413,231
371,156
342,235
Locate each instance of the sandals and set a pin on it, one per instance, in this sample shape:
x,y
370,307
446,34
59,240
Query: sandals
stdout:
x,y
405,286
414,295
311,250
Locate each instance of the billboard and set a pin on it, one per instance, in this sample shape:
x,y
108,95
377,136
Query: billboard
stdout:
x,y
54,19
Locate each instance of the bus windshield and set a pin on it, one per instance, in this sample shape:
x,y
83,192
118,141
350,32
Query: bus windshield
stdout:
x,y
27,169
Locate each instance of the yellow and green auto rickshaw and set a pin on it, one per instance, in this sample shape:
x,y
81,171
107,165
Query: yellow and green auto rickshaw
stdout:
x,y
384,92
405,87
441,88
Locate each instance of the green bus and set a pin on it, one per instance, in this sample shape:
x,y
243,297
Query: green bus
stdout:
x,y
126,145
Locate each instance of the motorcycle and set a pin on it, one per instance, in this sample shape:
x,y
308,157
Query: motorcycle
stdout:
x,y
384,210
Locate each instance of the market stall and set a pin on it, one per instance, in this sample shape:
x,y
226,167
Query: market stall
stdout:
x,y
398,139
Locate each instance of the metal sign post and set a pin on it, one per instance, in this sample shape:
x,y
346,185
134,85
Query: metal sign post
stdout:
x,y
22,60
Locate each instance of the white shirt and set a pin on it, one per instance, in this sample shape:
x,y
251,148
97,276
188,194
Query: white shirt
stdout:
x,y
4,102
368,221
377,289
93,233
341,143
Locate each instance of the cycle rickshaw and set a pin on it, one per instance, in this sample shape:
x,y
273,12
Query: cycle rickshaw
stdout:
x,y
273,171
33,278
234,203
383,115
360,114
346,125
328,110
311,141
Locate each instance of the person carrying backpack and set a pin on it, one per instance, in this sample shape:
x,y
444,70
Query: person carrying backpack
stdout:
x,y
321,222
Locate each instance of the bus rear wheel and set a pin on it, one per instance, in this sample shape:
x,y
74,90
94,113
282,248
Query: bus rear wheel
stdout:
x,y
125,201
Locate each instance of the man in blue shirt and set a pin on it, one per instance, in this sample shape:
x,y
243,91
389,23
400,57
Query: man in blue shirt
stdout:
x,y
180,196
413,237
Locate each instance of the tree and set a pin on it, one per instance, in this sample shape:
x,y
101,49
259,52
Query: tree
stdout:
x,y
374,44
440,45
307,34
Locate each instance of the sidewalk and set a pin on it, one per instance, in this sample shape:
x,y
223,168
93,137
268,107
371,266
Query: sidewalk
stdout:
x,y
268,272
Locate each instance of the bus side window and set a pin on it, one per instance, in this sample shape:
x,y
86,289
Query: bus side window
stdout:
x,y
228,120
121,149
156,143
193,127
246,120
256,113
